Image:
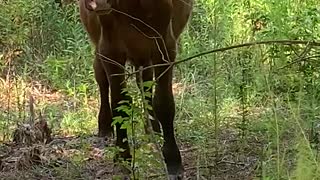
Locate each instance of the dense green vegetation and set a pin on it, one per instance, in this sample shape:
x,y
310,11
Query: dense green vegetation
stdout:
x,y
250,112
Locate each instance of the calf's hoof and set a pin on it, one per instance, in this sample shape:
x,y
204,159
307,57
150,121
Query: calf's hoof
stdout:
x,y
105,134
176,172
176,177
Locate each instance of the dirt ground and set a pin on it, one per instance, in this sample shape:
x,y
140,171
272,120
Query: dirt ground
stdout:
x,y
53,160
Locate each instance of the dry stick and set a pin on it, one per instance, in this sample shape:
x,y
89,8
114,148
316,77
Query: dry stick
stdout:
x,y
8,79
150,37
306,50
171,64
157,43
155,39
111,61
24,103
148,122
294,50
18,99
283,42
300,57
310,58
114,62
184,2
31,106
147,25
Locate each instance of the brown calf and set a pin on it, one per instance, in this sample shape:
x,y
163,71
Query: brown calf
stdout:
x,y
146,33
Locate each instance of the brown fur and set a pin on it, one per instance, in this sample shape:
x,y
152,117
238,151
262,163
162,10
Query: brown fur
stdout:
x,y
119,35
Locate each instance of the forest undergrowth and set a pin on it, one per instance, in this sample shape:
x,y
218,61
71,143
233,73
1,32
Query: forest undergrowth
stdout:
x,y
245,113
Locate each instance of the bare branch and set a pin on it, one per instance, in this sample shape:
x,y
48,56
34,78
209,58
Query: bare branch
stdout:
x,y
111,61
297,60
282,42
151,28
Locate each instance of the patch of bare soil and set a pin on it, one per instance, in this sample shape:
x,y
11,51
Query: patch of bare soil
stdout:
x,y
230,158
56,160
84,158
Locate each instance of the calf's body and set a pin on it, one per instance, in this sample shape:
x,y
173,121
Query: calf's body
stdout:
x,y
146,33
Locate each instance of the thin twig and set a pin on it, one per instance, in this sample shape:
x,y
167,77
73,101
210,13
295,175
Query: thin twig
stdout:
x,y
165,71
147,25
8,79
155,39
111,61
283,42
184,2
301,56
297,60
31,108
114,62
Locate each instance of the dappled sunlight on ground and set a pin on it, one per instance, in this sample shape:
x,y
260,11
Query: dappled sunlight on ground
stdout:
x,y
17,92
23,101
